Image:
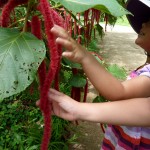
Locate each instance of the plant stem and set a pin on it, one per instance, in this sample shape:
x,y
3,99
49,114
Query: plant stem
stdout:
x,y
27,15
13,24
57,6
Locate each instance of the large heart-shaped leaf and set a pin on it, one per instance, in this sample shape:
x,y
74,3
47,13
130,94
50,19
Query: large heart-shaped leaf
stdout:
x,y
20,57
109,6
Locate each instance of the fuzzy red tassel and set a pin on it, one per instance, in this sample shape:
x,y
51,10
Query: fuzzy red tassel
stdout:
x,y
44,104
3,2
7,9
36,27
85,91
36,30
50,18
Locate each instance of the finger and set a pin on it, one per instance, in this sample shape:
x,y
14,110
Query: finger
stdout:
x,y
54,97
53,91
55,108
59,31
69,45
52,112
62,33
67,54
38,103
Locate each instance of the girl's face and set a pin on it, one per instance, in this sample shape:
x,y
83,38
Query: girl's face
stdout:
x,y
143,39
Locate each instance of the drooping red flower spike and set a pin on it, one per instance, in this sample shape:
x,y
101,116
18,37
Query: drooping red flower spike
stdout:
x,y
7,9
3,2
36,30
50,18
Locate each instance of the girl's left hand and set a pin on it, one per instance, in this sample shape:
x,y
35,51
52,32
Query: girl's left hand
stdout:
x,y
63,105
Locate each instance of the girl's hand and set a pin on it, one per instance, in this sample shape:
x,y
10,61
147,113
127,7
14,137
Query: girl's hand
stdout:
x,y
63,106
74,51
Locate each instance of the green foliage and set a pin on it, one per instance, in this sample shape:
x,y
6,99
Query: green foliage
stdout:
x,y
65,87
16,117
20,57
71,64
93,45
99,28
111,7
22,124
77,80
99,99
60,134
117,71
122,21
20,18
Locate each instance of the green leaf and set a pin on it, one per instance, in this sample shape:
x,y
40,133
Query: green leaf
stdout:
x,y
108,6
71,64
34,147
100,30
20,57
117,71
77,81
99,99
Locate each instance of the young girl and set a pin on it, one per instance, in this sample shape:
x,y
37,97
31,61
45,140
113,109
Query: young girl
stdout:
x,y
128,109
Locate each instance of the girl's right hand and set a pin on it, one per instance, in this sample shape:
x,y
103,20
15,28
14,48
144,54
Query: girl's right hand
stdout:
x,y
74,51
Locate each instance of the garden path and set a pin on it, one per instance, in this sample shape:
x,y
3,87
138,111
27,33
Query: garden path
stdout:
x,y
117,47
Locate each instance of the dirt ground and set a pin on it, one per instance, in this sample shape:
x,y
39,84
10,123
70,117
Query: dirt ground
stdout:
x,y
117,47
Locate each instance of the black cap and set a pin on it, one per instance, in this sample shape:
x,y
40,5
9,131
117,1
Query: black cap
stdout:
x,y
140,11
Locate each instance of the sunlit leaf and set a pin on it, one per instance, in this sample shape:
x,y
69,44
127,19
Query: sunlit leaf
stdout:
x,y
108,6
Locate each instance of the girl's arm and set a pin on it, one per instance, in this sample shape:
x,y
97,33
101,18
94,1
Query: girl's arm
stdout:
x,y
111,88
132,112
104,82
